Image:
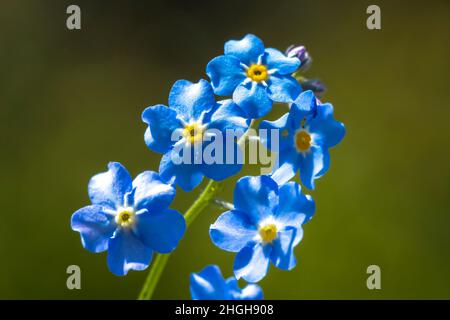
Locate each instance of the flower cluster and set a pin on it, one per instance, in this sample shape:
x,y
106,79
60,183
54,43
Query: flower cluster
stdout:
x,y
131,219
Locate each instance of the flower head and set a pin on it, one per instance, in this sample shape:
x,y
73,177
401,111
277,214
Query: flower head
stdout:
x,y
307,132
209,284
130,219
185,129
254,76
264,226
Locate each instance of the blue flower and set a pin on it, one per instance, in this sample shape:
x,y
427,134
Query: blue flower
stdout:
x,y
130,219
265,225
306,133
254,76
187,129
209,284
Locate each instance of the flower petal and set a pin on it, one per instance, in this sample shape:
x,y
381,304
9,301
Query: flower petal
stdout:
x,y
95,227
282,255
109,188
208,284
127,252
256,196
249,292
226,73
248,49
253,99
323,124
283,133
252,262
162,122
295,208
160,230
283,88
187,176
274,59
151,193
191,100
286,167
305,104
313,165
228,116
232,231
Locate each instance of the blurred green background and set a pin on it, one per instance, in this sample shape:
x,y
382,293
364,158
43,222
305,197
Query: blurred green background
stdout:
x,y
70,102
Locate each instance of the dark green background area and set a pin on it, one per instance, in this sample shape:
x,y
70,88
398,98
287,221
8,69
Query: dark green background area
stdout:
x,y
70,102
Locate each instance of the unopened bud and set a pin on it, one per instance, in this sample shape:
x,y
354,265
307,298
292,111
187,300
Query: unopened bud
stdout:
x,y
300,53
317,86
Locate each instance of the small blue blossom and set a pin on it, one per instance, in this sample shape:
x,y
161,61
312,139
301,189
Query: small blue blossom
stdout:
x,y
306,134
209,284
191,123
130,219
264,226
254,76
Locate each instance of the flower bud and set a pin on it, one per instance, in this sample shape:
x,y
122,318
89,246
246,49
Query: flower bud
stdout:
x,y
300,53
317,86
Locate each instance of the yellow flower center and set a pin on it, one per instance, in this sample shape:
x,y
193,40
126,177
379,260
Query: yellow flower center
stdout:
x,y
303,141
125,217
268,233
257,72
193,132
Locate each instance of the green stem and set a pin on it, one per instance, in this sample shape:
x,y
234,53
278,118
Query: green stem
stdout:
x,y
153,276
205,198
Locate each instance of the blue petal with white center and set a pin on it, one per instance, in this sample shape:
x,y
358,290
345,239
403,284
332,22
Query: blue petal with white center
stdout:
x,y
305,136
255,77
129,219
264,226
192,135
209,284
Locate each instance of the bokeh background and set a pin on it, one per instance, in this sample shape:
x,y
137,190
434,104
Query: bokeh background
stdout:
x,y
70,102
